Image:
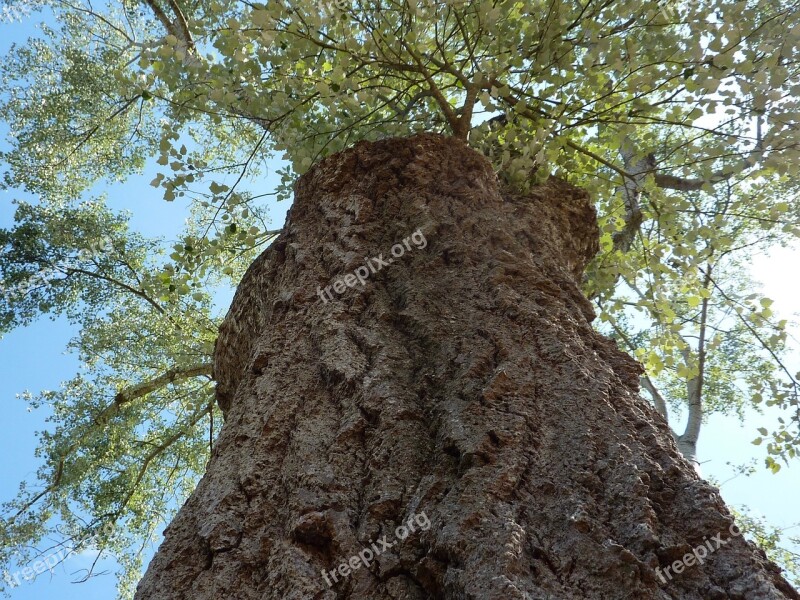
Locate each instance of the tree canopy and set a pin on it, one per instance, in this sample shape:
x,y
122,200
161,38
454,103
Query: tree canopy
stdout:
x,y
681,118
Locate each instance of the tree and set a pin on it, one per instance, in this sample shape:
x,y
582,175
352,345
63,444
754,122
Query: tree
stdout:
x,y
690,315
659,109
455,427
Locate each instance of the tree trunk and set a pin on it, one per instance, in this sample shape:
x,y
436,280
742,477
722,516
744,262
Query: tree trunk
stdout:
x,y
456,417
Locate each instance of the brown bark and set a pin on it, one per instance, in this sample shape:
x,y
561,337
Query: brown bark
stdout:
x,y
463,384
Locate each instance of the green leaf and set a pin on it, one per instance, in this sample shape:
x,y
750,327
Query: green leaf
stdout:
x,y
217,188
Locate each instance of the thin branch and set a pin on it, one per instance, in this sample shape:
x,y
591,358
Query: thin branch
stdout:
x,y
116,282
238,180
87,136
199,413
683,184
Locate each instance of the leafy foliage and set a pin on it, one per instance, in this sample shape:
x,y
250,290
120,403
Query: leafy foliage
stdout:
x,y
686,308
773,541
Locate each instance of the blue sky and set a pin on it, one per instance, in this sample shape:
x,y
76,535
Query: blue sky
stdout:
x,y
33,358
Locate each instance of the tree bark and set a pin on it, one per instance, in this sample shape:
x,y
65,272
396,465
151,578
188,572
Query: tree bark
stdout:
x,y
461,386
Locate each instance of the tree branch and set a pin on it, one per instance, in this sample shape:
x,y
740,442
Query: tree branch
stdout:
x,y
687,442
412,102
658,399
162,17
198,414
116,282
683,184
183,24
142,389
512,102
631,191
122,397
449,113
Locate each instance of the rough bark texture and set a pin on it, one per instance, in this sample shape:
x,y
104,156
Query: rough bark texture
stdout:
x,y
464,383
